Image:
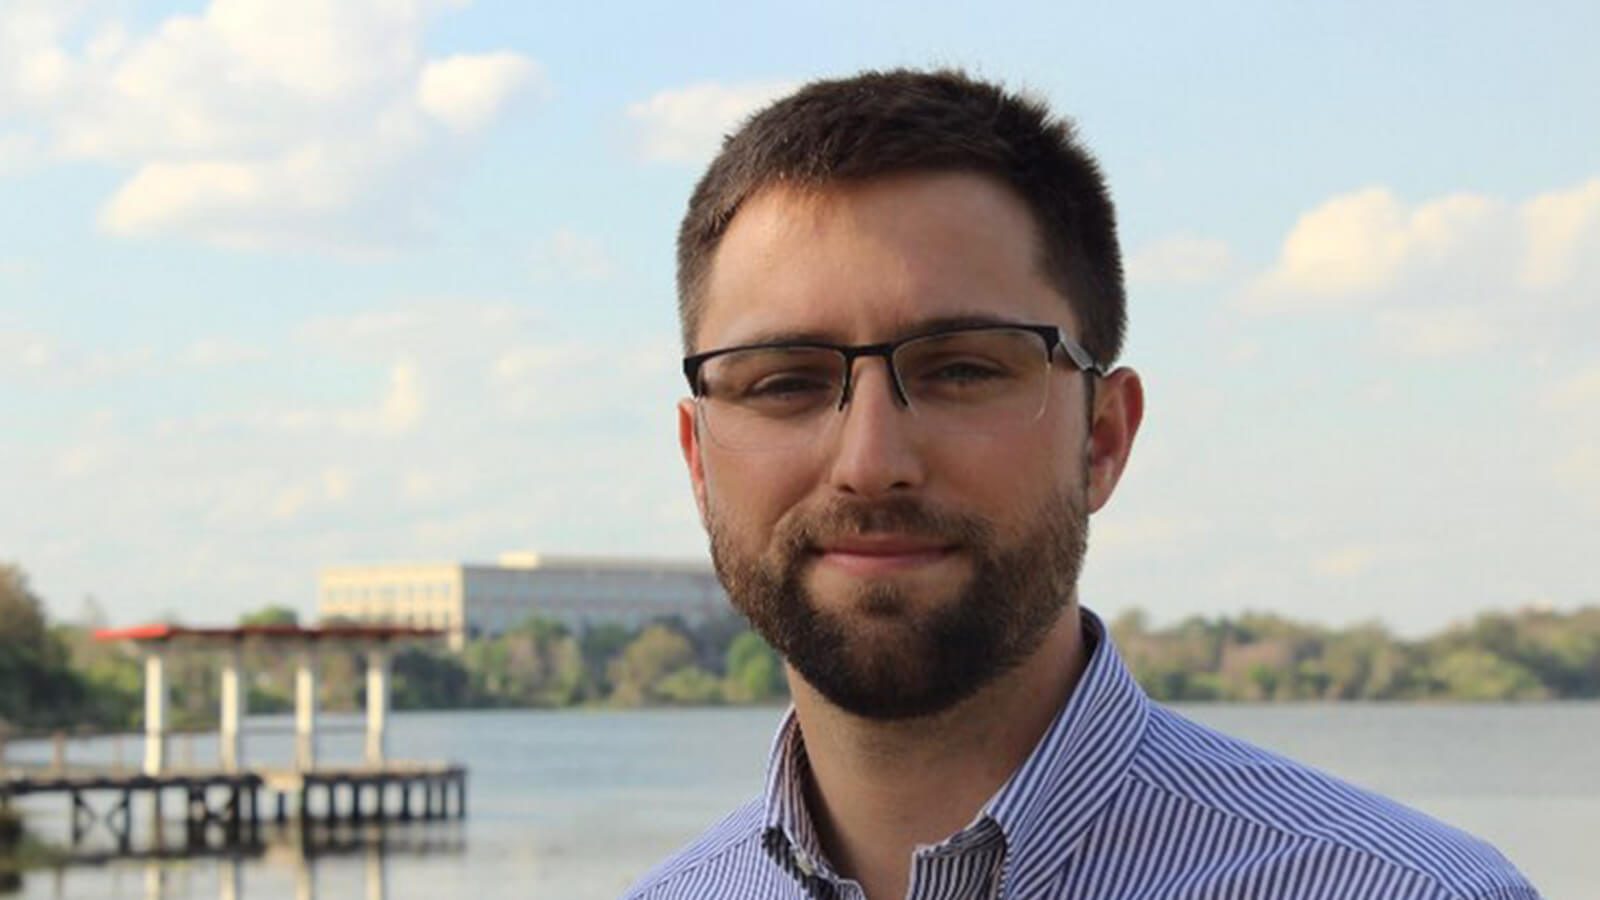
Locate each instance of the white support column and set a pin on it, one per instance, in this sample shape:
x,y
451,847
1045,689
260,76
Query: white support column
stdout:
x,y
155,710
305,874
230,879
305,709
233,710
155,881
377,704
377,880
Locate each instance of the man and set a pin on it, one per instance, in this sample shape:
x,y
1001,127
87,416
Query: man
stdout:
x,y
902,298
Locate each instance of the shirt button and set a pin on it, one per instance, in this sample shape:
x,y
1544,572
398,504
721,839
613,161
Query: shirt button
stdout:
x,y
803,862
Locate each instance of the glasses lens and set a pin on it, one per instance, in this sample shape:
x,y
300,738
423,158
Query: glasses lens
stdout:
x,y
980,380
975,381
769,397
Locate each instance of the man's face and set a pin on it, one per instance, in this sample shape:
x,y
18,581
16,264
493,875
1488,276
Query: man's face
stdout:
x,y
896,570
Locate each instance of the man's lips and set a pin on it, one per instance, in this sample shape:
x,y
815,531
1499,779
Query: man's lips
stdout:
x,y
882,554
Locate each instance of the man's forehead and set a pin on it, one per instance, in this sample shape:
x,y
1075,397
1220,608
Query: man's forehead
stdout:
x,y
871,261
901,327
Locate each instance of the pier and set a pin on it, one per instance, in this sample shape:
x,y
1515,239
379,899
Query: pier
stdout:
x,y
119,812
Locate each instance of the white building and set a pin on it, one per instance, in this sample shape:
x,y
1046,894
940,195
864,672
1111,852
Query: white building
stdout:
x,y
484,600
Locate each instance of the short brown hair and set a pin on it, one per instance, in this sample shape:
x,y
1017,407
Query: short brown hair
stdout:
x,y
882,123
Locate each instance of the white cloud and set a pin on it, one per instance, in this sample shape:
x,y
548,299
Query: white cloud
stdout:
x,y
538,361
396,413
254,123
1447,276
366,327
1354,246
525,432
215,351
466,92
402,406
62,365
419,486
238,201
687,125
336,483
1580,391
292,497
1430,332
1563,230
120,362
25,350
1180,260
290,501
1578,469
18,153
80,459
444,327
1345,562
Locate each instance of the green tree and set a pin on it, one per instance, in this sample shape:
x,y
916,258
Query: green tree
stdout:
x,y
41,690
688,686
271,615
423,679
537,663
754,672
601,644
341,678
1472,673
712,638
656,653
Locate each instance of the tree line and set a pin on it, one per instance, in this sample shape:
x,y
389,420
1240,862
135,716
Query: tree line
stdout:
x,y
1531,654
54,675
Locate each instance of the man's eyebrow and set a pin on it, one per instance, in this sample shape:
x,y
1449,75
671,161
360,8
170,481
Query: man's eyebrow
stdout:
x,y
955,321
909,329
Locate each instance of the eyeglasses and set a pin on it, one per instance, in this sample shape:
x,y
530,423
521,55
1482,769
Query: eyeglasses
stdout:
x,y
982,379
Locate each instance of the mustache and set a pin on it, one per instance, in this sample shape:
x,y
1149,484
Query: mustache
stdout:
x,y
845,518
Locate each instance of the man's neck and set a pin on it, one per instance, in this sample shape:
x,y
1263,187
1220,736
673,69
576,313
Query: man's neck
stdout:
x,y
878,789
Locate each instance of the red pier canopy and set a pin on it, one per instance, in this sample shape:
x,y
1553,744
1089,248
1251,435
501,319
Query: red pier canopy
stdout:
x,y
361,633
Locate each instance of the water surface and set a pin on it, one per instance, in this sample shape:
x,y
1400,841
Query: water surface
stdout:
x,y
576,804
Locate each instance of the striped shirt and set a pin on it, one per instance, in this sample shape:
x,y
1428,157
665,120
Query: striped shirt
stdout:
x,y
1121,798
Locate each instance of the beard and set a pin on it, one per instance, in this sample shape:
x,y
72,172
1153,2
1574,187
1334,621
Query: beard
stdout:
x,y
886,655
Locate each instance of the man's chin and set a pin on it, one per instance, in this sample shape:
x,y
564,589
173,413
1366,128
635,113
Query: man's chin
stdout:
x,y
883,672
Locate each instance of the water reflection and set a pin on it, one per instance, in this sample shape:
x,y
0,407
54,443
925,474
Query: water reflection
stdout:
x,y
287,853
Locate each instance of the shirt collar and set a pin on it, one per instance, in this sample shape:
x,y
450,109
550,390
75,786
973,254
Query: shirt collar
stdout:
x,y
788,833
1048,804
1043,809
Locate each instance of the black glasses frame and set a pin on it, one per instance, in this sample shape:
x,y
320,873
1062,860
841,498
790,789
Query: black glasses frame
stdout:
x,y
1051,335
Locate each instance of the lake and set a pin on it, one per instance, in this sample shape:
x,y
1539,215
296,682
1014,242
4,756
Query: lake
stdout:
x,y
575,804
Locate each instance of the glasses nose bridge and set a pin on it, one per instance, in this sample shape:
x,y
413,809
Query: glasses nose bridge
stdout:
x,y
897,391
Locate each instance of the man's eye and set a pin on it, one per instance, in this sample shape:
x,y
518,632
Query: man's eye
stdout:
x,y
965,371
962,371
787,386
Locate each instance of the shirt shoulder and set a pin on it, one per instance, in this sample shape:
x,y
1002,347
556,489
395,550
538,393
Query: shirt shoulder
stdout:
x,y
727,861
1237,780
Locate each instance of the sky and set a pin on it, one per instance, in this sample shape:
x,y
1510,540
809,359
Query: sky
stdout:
x,y
295,283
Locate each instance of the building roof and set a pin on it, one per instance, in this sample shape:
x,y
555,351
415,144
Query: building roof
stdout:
x,y
363,633
530,562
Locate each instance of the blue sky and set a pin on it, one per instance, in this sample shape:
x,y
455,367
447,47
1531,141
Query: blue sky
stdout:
x,y
289,284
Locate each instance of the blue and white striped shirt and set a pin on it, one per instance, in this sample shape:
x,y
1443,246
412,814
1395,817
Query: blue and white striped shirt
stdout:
x,y
1122,798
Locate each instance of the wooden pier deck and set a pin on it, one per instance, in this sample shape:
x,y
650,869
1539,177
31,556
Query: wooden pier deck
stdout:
x,y
227,808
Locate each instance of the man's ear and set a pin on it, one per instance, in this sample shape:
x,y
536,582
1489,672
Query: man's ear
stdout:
x,y
1118,410
689,442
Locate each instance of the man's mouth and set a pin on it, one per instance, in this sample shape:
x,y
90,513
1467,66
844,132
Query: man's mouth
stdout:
x,y
882,554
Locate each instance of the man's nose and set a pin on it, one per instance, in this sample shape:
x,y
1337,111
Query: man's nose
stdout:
x,y
874,440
